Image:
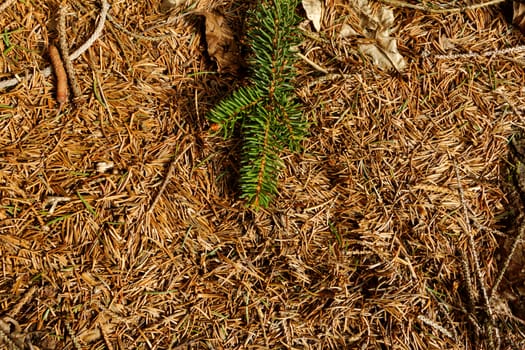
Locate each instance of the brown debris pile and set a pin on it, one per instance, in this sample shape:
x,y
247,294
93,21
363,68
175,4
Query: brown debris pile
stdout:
x,y
384,234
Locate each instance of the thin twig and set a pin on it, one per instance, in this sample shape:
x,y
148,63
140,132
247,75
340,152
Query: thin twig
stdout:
x,y
330,76
314,36
46,72
467,277
446,312
477,268
510,50
397,3
96,33
136,35
488,229
64,49
435,325
511,105
312,63
6,5
73,336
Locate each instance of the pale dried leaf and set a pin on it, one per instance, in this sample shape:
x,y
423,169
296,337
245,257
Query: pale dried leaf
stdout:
x,y
384,59
314,12
377,26
222,46
347,31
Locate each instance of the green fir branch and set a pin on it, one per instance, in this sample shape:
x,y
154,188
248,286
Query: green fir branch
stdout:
x,y
234,108
267,112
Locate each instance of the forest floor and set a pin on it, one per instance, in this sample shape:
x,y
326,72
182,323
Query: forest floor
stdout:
x,y
390,230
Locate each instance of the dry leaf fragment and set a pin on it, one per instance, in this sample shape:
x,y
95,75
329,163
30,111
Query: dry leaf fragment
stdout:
x,y
347,31
387,60
378,27
314,12
222,46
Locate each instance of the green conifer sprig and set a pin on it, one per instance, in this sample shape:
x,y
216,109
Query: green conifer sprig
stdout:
x,y
267,112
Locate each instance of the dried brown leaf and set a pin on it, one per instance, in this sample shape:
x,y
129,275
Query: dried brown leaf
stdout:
x,y
377,26
314,12
222,45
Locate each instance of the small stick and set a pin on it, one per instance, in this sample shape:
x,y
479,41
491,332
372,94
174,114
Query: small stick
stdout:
x,y
60,73
435,325
64,49
398,3
73,336
510,50
472,297
96,32
312,63
76,54
492,330
449,319
6,5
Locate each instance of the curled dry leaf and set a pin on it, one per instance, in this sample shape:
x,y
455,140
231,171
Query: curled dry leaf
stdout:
x,y
314,12
377,26
222,45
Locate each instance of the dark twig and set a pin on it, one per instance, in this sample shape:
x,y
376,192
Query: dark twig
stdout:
x,y
398,3
64,49
492,330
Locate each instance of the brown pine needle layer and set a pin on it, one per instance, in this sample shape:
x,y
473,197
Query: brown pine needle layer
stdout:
x,y
120,224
